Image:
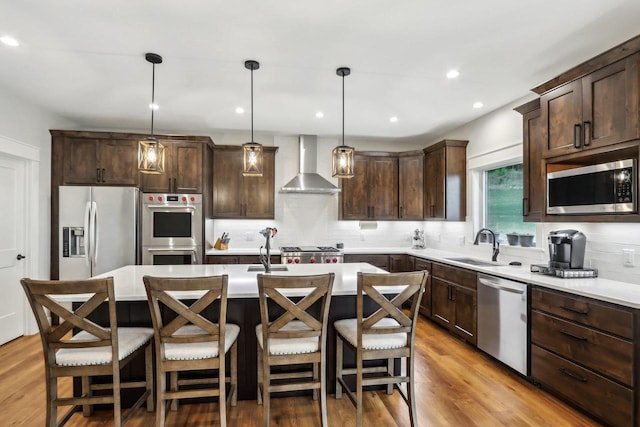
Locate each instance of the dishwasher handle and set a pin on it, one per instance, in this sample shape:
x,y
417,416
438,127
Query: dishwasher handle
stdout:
x,y
501,287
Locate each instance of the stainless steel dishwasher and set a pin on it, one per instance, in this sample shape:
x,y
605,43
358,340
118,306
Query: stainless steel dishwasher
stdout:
x,y
502,320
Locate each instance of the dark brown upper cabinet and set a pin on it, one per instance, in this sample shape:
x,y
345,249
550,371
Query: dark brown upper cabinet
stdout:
x,y
410,185
597,110
183,169
237,196
533,167
90,161
445,181
372,194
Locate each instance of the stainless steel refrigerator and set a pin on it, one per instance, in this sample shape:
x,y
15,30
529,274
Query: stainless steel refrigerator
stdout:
x,y
99,230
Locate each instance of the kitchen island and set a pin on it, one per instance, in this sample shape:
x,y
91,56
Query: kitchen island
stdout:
x,y
242,305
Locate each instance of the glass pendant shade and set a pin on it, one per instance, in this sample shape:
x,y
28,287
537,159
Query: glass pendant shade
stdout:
x,y
252,159
342,162
150,156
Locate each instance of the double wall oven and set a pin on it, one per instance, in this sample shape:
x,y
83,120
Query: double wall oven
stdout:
x,y
171,229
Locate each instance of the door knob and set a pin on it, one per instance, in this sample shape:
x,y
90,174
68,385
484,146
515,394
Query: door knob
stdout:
x,y
20,256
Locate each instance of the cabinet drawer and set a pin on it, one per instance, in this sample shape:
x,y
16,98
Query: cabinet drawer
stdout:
x,y
420,264
597,395
606,317
601,352
459,276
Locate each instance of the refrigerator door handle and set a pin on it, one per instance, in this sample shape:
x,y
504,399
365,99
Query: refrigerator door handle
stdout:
x,y
87,236
94,229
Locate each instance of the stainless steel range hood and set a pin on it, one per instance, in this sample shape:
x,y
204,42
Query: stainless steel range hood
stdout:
x,y
308,180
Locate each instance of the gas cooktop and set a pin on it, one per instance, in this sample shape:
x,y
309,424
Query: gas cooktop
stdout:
x,y
308,249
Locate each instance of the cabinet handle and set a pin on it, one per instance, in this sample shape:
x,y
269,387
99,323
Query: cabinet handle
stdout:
x,y
569,334
576,135
433,211
97,174
102,177
573,310
373,211
587,134
525,211
175,185
400,212
573,375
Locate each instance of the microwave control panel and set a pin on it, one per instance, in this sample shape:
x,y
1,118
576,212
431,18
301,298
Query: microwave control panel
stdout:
x,y
624,185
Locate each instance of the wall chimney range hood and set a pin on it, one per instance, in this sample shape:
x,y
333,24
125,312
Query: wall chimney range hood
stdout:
x,y
308,180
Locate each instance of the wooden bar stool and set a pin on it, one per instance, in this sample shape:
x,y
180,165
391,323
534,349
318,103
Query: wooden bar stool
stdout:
x,y
93,351
386,334
190,342
296,337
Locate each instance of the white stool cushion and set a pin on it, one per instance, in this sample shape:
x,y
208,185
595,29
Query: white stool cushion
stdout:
x,y
290,345
347,328
129,340
199,350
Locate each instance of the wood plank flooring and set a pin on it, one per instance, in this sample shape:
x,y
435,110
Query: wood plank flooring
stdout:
x,y
456,386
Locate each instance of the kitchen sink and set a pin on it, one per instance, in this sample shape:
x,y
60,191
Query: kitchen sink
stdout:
x,y
273,268
478,262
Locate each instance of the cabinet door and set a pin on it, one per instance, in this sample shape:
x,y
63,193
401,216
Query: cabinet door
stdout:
x,y
118,161
80,161
259,190
610,104
410,187
533,203
227,184
465,308
354,196
434,185
187,167
399,263
383,194
159,183
425,302
561,110
441,306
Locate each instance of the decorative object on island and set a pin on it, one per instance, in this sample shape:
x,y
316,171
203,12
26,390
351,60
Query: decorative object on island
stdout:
x,y
150,151
265,258
252,151
342,155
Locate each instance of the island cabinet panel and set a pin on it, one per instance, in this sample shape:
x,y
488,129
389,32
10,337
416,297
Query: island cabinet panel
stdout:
x,y
445,181
420,264
586,351
599,109
454,300
91,161
533,173
237,196
238,259
411,186
372,194
380,261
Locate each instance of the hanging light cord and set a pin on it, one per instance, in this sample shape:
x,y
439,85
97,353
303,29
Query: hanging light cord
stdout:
x,y
252,104
153,94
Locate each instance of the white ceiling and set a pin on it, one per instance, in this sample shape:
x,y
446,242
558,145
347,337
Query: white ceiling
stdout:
x,y
85,60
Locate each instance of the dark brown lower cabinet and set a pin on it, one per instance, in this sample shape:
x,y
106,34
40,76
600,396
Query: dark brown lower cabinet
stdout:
x,y
238,259
380,261
425,303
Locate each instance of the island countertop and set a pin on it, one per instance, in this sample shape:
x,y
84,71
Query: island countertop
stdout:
x,y
242,283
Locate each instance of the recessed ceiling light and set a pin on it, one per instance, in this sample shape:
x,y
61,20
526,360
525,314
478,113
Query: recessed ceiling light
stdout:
x,y
154,106
239,110
478,104
9,41
452,74
393,119
319,115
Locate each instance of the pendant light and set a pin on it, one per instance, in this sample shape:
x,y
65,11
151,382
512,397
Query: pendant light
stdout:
x,y
251,151
150,151
342,155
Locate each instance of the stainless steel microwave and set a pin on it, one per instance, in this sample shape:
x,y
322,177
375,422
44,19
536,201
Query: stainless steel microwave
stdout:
x,y
596,189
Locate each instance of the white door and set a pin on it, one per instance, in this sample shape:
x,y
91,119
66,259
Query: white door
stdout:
x,y
12,243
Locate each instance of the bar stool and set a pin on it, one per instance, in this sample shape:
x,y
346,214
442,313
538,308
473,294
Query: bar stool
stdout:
x,y
190,342
386,334
93,351
296,337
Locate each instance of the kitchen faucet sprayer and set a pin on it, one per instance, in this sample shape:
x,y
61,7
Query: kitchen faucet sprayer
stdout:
x,y
496,244
265,259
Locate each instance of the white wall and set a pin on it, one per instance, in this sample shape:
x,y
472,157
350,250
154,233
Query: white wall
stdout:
x,y
29,124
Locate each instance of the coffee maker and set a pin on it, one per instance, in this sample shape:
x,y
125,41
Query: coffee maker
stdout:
x,y
566,249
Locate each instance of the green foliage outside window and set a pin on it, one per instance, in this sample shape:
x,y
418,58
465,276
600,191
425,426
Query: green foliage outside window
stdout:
x,y
503,201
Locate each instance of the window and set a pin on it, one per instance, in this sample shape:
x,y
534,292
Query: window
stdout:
x,y
503,202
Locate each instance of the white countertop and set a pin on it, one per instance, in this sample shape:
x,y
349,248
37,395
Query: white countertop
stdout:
x,y
626,294
242,283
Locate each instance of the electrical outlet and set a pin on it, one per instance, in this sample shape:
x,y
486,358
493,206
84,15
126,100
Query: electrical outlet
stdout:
x,y
628,257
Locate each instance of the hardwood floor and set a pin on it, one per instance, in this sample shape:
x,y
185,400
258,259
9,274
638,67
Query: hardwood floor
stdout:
x,y
456,386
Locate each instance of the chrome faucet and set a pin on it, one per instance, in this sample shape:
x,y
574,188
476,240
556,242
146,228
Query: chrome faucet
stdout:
x,y
265,259
496,245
